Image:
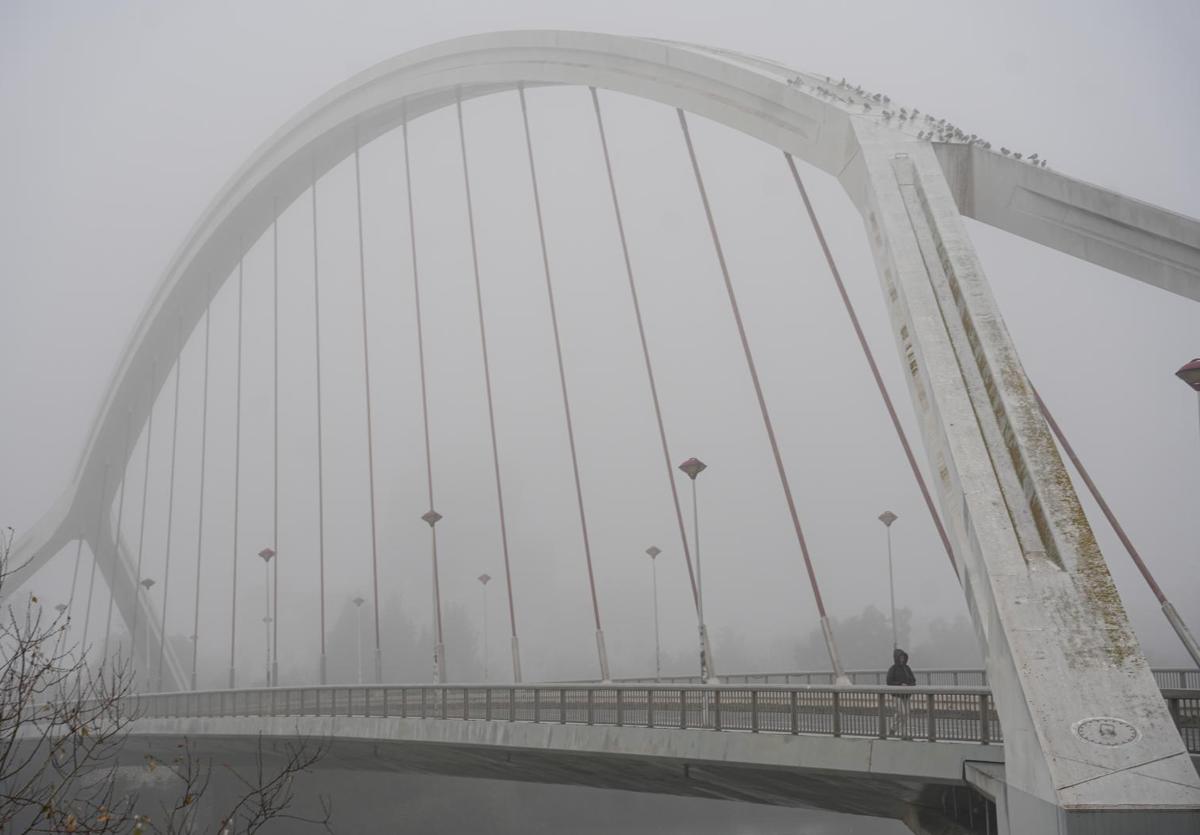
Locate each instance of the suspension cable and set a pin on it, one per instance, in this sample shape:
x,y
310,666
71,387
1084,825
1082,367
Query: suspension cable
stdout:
x,y
562,378
432,516
87,618
75,573
762,403
1177,623
237,483
362,281
162,624
203,471
275,438
487,381
137,604
320,442
116,556
637,313
870,357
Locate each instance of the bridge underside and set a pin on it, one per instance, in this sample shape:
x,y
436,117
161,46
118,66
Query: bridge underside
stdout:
x,y
909,781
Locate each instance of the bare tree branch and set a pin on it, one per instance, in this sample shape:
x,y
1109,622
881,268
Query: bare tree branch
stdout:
x,y
64,723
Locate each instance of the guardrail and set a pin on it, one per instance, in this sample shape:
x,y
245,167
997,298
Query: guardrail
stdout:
x,y
964,714
928,678
1184,706
1179,678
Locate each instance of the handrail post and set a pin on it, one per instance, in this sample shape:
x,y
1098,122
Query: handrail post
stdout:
x,y
591,706
930,724
683,710
512,704
445,702
466,703
716,710
537,704
793,699
649,707
985,731
424,698
620,707
837,713
487,704
753,711
562,706
883,716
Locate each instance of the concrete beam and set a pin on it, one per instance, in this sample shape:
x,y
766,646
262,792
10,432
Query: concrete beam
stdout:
x,y
1125,235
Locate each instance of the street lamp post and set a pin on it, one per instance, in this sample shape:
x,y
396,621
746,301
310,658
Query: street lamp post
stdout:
x,y
654,551
431,518
266,554
484,579
147,584
1190,374
358,601
887,517
692,468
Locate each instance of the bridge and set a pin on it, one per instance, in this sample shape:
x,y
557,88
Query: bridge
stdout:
x,y
1072,733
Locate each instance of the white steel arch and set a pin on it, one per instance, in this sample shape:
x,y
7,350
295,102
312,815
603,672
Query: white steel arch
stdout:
x,y
1025,551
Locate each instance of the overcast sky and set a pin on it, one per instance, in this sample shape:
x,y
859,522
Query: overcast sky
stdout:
x,y
122,120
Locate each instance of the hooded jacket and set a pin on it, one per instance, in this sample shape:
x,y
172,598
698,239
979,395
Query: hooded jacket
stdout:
x,y
900,673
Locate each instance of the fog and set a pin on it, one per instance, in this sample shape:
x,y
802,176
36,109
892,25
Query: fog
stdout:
x,y
124,119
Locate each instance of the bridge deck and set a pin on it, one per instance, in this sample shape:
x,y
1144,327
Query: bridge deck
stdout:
x,y
932,714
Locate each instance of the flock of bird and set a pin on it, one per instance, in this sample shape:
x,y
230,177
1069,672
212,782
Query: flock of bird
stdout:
x,y
927,126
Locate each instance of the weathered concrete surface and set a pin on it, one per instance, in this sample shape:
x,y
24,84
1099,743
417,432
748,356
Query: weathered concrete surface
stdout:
x,y
1059,648
883,778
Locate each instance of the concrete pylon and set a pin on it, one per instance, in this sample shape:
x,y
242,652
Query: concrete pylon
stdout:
x,y
1089,744
120,574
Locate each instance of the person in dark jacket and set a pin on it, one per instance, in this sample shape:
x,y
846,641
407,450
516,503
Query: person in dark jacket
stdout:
x,y
900,674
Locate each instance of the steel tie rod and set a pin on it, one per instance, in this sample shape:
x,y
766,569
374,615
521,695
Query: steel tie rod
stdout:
x,y
826,628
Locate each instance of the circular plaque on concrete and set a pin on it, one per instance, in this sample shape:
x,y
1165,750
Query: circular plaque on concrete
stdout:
x,y
1105,730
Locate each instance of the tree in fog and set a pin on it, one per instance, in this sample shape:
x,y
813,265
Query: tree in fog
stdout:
x,y
64,727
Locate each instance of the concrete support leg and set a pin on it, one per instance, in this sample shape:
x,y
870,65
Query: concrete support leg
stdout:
x,y
1086,732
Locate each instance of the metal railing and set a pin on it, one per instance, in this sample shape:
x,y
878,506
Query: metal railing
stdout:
x,y
1179,678
1184,706
928,678
938,715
